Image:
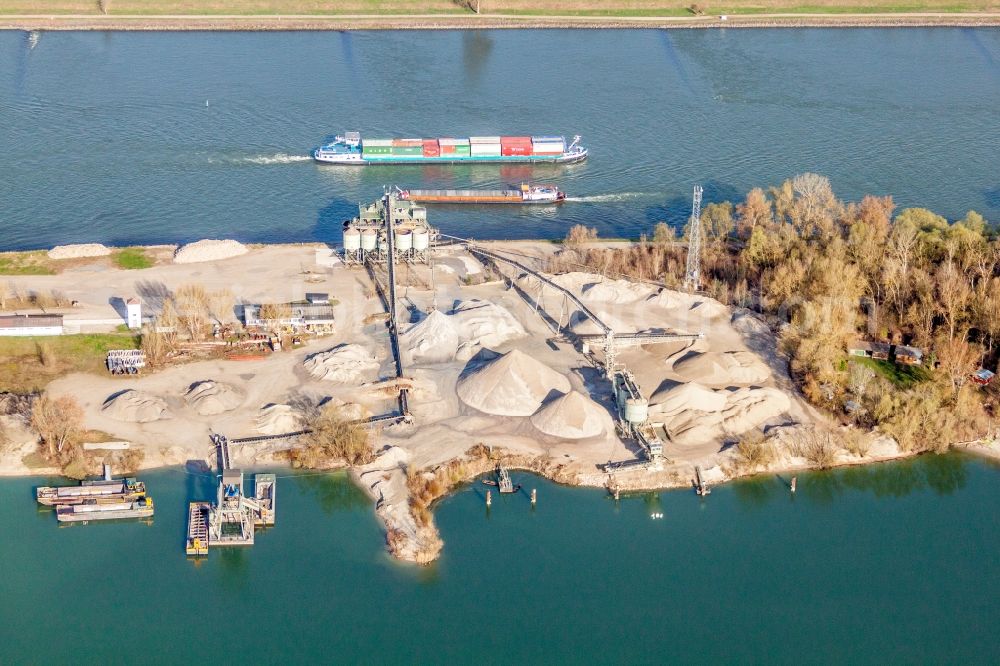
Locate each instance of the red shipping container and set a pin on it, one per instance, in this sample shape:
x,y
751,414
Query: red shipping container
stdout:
x,y
515,145
515,149
431,148
447,150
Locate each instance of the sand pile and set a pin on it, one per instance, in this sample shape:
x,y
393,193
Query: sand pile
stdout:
x,y
748,408
583,325
615,291
209,250
667,298
433,339
572,416
684,397
691,428
471,325
514,384
210,397
135,407
483,324
345,364
748,324
721,369
279,419
709,309
79,250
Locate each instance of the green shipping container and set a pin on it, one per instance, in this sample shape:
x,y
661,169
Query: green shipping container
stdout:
x,y
376,150
407,150
462,150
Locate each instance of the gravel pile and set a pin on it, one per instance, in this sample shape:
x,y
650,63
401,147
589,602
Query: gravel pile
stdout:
x,y
135,407
208,250
514,384
79,250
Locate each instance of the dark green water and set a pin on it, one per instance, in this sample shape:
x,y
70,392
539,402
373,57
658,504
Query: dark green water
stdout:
x,y
891,563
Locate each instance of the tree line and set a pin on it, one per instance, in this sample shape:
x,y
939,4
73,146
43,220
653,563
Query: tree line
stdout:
x,y
828,272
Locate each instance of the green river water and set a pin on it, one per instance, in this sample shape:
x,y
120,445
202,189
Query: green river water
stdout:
x,y
892,563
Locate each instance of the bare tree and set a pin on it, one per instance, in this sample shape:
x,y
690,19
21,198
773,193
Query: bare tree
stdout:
x,y
332,436
191,302
220,305
954,295
58,422
957,359
754,212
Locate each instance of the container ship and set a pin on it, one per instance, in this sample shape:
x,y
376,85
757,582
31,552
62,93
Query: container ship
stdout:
x,y
351,148
523,194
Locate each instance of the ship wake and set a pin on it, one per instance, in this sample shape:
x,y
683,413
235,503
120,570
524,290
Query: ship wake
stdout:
x,y
277,158
605,198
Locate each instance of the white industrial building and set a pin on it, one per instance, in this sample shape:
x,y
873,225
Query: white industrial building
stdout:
x,y
31,324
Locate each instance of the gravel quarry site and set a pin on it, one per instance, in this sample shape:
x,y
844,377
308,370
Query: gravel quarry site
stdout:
x,y
489,358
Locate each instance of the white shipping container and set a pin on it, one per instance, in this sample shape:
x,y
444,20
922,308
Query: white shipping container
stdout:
x,y
548,147
485,150
453,142
376,142
484,140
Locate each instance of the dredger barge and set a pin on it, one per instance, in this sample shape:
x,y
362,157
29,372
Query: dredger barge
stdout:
x,y
127,489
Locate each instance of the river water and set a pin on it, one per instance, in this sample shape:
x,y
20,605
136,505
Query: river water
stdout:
x,y
892,563
156,137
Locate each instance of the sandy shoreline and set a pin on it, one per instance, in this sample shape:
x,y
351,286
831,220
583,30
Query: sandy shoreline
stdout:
x,y
490,22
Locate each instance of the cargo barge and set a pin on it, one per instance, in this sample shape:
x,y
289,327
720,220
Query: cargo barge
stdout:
x,y
351,148
94,509
127,489
525,194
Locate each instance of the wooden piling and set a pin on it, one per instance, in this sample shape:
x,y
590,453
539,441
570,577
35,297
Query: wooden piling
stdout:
x,y
534,496
794,479
489,498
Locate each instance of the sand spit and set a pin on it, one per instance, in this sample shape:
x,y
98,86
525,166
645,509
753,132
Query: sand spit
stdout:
x,y
344,364
514,384
384,479
134,406
721,369
572,416
79,251
210,397
208,250
277,419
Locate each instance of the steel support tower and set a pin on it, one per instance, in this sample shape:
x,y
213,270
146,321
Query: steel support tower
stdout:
x,y
692,275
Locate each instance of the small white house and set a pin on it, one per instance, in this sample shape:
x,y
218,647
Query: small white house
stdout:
x,y
31,324
133,310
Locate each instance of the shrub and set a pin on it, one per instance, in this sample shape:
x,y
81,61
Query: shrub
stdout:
x,y
818,447
754,452
332,437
